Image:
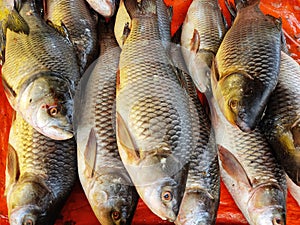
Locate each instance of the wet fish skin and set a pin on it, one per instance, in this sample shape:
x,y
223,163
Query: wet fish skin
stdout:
x,y
202,192
154,133
40,74
40,173
250,172
81,24
202,32
247,62
105,8
281,122
106,183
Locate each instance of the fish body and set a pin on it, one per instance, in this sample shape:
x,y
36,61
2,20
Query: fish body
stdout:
x,y
250,172
10,18
154,133
105,8
202,192
202,32
76,16
40,173
103,176
39,75
246,67
281,122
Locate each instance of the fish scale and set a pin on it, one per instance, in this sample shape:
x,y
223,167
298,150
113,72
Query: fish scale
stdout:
x,y
154,131
42,161
81,26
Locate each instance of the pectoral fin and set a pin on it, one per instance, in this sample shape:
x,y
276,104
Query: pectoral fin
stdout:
x,y
195,41
125,139
232,166
90,153
12,168
62,30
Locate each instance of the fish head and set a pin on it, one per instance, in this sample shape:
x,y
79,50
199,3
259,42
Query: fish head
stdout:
x,y
161,185
241,99
28,203
200,203
267,205
113,198
47,104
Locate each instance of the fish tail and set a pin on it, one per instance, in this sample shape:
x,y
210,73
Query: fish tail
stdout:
x,y
142,7
244,3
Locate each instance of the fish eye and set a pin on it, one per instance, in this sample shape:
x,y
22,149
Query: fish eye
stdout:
x,y
167,196
233,103
53,110
116,215
28,222
277,221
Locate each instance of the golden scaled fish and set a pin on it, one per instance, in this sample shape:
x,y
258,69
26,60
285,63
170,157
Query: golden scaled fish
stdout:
x,y
281,121
105,181
81,26
40,174
246,67
40,74
202,32
153,122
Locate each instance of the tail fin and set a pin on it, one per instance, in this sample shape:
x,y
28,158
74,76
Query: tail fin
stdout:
x,y
140,7
244,3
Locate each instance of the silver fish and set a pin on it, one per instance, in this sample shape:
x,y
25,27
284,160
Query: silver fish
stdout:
x,y
103,176
202,32
39,75
81,24
154,132
202,192
246,67
40,174
281,122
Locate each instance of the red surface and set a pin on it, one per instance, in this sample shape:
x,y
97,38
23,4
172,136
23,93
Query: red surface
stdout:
x,y
77,210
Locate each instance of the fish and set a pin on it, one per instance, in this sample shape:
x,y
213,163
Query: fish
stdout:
x,y
250,171
10,18
246,67
281,121
202,32
294,189
40,74
202,192
40,173
105,181
81,25
106,8
153,124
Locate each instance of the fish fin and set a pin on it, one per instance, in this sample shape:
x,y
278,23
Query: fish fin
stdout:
x,y
125,138
62,30
126,32
170,12
12,168
90,153
8,89
231,8
295,130
16,23
141,7
232,166
195,41
284,47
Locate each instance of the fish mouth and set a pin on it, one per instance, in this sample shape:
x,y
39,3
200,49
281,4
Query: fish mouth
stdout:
x,y
59,133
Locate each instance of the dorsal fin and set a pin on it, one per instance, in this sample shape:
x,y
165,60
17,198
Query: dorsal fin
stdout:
x,y
233,167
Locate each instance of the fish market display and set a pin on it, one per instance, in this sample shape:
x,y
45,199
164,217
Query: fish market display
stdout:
x,y
281,122
250,172
81,25
105,8
153,121
202,33
39,75
103,176
40,173
246,67
10,18
202,192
